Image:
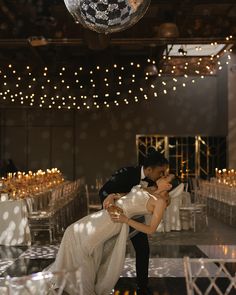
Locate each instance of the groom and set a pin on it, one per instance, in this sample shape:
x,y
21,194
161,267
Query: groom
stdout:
x,y
122,181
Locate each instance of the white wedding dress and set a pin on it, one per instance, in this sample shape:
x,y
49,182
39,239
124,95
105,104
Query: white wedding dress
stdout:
x,y
96,245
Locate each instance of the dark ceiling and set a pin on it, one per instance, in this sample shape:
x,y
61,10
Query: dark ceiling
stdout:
x,y
50,18
48,21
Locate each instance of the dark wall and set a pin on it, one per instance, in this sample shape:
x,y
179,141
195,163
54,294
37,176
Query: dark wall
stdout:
x,y
95,143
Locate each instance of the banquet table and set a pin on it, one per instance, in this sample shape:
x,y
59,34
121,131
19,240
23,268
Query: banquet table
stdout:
x,y
14,227
21,218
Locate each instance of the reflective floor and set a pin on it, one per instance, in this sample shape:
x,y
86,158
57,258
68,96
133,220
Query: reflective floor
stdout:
x,y
166,270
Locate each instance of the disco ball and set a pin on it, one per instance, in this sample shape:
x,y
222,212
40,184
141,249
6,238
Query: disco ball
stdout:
x,y
107,16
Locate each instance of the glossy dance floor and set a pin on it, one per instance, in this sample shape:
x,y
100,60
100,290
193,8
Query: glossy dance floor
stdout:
x,y
166,270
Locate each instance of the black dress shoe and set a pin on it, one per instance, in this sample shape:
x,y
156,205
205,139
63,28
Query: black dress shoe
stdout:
x,y
144,291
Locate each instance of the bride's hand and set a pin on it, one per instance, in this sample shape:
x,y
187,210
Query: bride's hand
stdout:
x,y
110,200
119,217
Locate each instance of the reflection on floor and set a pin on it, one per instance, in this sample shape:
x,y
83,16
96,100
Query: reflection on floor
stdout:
x,y
166,260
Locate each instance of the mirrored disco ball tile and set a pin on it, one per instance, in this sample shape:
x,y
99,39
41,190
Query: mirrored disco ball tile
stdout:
x,y
38,252
4,264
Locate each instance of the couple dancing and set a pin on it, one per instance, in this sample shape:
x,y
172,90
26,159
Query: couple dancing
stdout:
x,y
96,244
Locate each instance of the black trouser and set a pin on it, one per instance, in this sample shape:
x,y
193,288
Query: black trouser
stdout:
x,y
141,246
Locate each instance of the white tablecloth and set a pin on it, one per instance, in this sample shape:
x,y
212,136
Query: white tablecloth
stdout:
x,y
14,228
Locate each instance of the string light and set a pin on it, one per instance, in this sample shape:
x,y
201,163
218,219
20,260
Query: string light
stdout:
x,y
46,84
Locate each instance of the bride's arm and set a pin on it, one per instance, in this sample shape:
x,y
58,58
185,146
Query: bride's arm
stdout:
x,y
159,209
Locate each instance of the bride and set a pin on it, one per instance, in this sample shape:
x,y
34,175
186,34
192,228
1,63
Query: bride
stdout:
x,y
96,244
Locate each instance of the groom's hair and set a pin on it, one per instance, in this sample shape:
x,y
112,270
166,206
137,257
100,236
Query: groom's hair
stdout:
x,y
155,159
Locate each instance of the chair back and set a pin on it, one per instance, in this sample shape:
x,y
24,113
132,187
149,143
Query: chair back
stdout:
x,y
210,276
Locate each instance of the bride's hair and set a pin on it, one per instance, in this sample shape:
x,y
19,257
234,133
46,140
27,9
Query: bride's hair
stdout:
x,y
175,182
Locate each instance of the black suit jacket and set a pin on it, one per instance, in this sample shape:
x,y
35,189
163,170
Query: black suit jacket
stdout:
x,y
121,182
